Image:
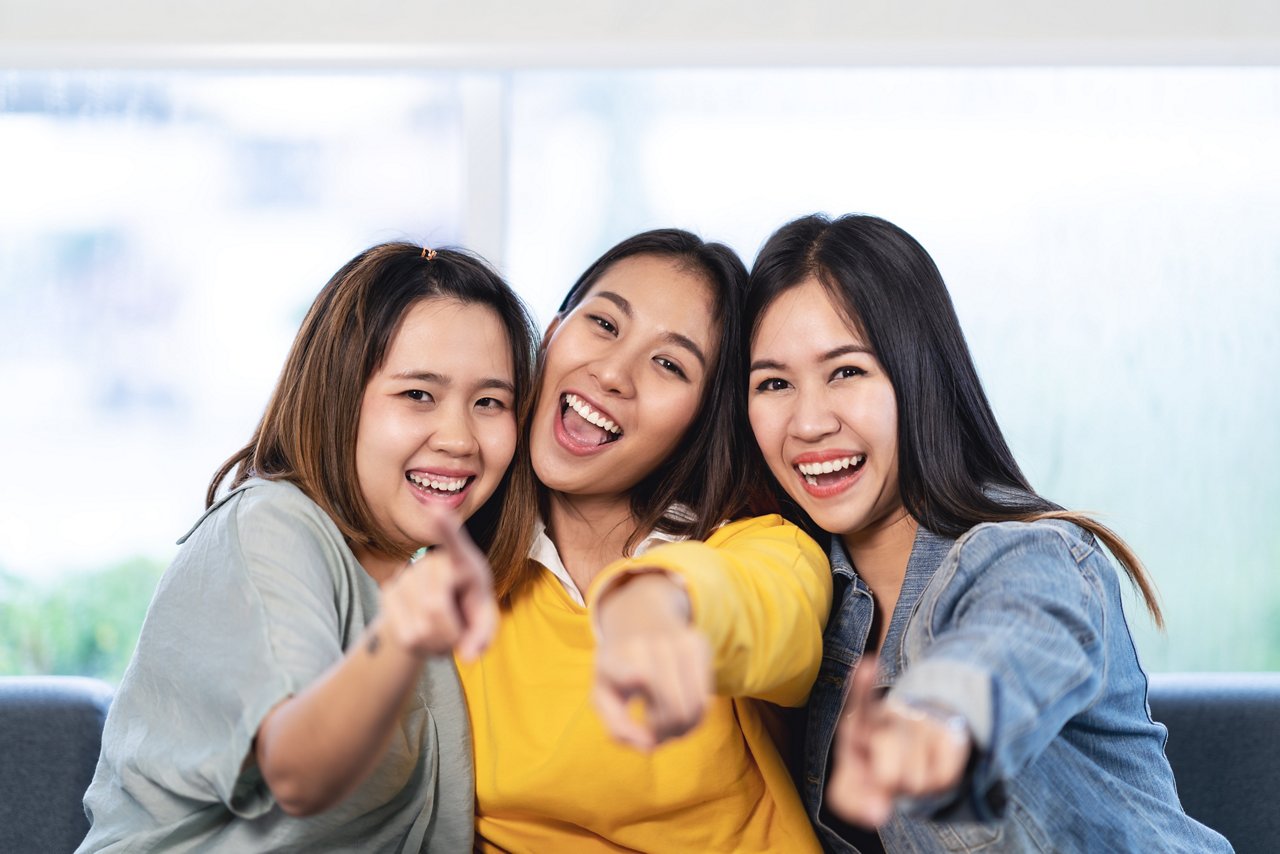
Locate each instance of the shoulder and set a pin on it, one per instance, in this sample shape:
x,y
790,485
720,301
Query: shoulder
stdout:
x,y
1046,539
1050,558
769,524
758,542
264,502
267,516
772,529
279,498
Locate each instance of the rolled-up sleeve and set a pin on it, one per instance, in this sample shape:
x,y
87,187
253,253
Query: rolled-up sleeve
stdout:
x,y
760,590
1010,635
246,617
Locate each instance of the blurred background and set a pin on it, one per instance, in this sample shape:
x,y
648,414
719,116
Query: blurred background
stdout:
x,y
1101,193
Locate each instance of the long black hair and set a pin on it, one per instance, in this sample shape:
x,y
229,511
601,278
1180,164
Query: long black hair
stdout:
x,y
955,469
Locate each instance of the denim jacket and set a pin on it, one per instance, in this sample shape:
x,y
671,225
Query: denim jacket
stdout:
x,y
1019,628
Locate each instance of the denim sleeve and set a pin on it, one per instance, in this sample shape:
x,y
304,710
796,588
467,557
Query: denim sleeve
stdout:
x,y
1010,635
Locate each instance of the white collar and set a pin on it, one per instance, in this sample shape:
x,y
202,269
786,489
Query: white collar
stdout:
x,y
544,551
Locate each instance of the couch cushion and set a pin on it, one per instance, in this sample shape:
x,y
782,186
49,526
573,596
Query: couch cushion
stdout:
x,y
1224,746
50,736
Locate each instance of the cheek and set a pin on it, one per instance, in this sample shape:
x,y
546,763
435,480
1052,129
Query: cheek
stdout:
x,y
766,425
885,422
547,400
498,441
385,437
557,353
678,412
367,441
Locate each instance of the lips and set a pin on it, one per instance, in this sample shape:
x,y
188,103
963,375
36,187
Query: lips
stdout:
x,y
827,473
440,486
582,427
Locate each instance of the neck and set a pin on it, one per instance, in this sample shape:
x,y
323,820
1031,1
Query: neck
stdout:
x,y
881,552
589,532
381,567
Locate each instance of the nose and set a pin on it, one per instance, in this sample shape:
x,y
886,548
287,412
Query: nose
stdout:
x,y
813,418
453,435
614,372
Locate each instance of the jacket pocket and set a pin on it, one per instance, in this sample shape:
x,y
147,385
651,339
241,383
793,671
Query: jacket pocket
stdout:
x,y
969,836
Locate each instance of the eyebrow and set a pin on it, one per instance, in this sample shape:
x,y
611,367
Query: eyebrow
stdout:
x,y
624,305
836,353
687,343
441,379
844,351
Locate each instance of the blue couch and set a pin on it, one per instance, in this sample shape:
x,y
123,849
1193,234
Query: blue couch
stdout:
x,y
1224,744
50,735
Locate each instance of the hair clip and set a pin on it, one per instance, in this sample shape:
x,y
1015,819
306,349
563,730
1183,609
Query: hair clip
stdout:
x,y
429,254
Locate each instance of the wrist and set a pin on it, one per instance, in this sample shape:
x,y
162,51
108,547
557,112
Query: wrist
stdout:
x,y
641,599
381,643
938,713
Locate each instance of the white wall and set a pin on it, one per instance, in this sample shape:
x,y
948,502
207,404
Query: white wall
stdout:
x,y
552,33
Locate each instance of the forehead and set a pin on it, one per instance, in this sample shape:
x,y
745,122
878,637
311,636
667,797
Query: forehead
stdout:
x,y
664,291
448,336
804,320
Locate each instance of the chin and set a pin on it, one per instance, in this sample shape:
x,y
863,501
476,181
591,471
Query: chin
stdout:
x,y
833,523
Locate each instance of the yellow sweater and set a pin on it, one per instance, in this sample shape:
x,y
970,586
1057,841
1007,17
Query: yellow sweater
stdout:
x,y
550,779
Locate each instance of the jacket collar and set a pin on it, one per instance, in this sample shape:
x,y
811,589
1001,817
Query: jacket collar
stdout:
x,y
927,551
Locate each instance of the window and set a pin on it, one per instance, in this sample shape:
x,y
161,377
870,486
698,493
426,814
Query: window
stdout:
x,y
161,237
1108,236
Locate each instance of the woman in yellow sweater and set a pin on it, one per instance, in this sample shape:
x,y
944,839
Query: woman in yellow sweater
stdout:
x,y
619,706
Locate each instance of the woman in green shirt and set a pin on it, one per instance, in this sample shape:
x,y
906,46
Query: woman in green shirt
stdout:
x,y
293,687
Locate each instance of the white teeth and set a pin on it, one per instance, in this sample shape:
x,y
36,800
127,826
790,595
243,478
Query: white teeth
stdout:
x,y
812,470
589,414
811,480
440,484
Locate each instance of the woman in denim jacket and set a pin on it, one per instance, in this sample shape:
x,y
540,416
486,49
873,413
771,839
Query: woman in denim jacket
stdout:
x,y
1015,716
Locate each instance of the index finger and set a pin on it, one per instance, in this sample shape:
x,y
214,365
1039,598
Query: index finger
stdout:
x,y
480,618
465,556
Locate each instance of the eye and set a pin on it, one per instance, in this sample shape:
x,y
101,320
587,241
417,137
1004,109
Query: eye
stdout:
x,y
419,396
604,323
491,404
847,372
773,384
671,366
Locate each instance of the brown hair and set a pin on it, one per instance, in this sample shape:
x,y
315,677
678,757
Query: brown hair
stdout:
x,y
702,472
307,434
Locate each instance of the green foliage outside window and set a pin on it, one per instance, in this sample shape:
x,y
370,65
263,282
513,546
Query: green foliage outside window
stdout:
x,y
83,624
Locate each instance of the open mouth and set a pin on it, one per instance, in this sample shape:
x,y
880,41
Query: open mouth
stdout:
x,y
585,425
438,485
829,473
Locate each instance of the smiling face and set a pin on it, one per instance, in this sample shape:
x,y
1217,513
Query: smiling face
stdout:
x,y
824,413
437,419
623,377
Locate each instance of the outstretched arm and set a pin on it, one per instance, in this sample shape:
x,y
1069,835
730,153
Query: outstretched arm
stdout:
x,y
1011,644
740,615
886,749
316,747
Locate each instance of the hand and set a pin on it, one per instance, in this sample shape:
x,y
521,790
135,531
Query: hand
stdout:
x,y
648,649
444,600
886,749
